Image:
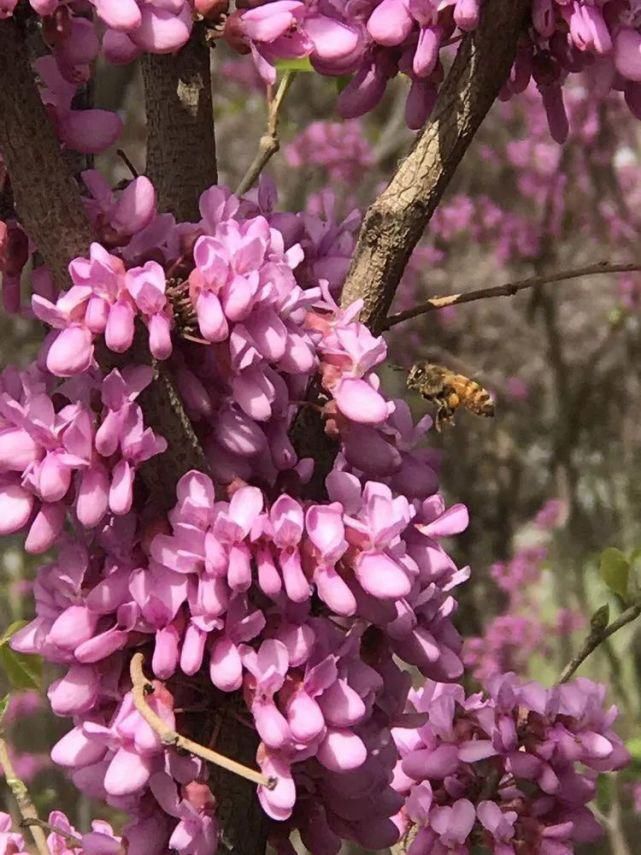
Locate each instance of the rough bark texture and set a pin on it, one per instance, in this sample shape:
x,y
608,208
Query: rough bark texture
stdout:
x,y
181,148
50,210
395,222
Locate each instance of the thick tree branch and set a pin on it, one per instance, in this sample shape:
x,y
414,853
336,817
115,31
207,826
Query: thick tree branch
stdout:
x,y
395,222
181,147
45,195
509,289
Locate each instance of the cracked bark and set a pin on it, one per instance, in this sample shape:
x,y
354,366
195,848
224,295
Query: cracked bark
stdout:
x,y
181,146
395,222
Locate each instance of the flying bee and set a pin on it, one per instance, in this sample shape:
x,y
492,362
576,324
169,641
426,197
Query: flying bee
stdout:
x,y
449,391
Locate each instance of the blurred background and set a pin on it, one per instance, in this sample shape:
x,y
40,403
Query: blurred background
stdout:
x,y
553,482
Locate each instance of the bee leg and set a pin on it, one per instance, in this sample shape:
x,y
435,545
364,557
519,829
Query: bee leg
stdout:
x,y
444,416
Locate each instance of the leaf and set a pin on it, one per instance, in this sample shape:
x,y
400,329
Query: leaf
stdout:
x,y
302,64
341,82
615,571
23,671
11,630
4,703
634,747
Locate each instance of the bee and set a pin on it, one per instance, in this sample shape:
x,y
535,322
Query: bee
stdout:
x,y
449,391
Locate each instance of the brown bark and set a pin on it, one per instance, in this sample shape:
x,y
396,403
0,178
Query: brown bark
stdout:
x,y
395,222
50,210
181,147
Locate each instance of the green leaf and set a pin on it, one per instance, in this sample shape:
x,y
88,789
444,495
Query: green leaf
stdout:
x,y
11,630
4,703
341,82
22,671
302,64
615,571
634,747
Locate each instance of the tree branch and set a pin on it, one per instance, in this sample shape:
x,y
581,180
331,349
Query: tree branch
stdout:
x,y
72,839
269,142
141,687
596,637
395,222
45,195
23,799
509,289
181,145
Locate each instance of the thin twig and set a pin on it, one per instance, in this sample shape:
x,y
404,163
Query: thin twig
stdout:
x,y
269,142
142,687
23,799
509,289
122,154
596,637
72,839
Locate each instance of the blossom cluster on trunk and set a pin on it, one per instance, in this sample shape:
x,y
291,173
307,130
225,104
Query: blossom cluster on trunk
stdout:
x,y
305,606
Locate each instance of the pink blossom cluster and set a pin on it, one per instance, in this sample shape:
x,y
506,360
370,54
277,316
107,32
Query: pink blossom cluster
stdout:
x,y
339,148
130,27
69,449
229,594
246,587
371,42
101,840
251,337
305,607
513,771
76,33
374,41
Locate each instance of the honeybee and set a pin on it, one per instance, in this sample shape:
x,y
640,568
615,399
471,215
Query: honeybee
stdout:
x,y
449,391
